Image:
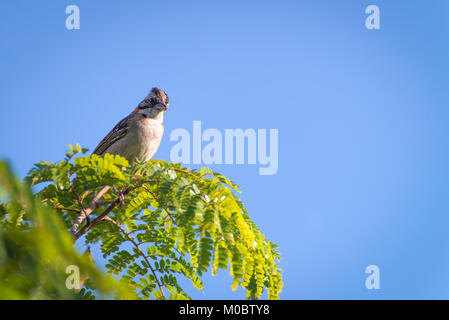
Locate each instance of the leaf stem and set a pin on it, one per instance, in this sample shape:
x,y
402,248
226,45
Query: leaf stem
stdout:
x,y
138,249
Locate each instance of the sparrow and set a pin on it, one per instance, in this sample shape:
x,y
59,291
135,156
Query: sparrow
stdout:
x,y
137,137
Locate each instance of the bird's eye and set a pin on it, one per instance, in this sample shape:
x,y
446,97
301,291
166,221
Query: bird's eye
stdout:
x,y
153,101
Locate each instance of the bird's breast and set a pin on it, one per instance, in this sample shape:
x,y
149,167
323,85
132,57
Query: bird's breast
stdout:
x,y
149,136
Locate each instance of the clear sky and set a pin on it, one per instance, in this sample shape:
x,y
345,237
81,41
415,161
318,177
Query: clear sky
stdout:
x,y
362,115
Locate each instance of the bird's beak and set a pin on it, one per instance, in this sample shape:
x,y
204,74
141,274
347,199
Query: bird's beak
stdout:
x,y
161,107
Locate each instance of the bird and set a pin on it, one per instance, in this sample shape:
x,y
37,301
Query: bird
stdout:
x,y
138,136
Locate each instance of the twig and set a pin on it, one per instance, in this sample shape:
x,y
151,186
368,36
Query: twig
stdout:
x,y
154,197
120,195
78,198
88,226
187,172
86,212
66,209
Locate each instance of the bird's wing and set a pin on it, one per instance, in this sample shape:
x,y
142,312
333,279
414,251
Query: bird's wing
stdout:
x,y
117,133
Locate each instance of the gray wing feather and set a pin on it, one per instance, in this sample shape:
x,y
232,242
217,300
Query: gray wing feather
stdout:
x,y
118,132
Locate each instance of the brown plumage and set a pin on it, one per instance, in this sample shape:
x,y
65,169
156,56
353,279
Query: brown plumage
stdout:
x,y
139,134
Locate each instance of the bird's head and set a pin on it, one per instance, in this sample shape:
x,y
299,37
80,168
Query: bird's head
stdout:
x,y
154,105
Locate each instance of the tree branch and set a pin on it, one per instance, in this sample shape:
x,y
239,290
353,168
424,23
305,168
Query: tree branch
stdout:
x,y
88,226
86,212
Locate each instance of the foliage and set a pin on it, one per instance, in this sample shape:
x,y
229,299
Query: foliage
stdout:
x,y
154,223
35,249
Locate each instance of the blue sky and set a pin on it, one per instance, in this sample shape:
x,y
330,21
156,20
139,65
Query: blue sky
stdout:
x,y
362,116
